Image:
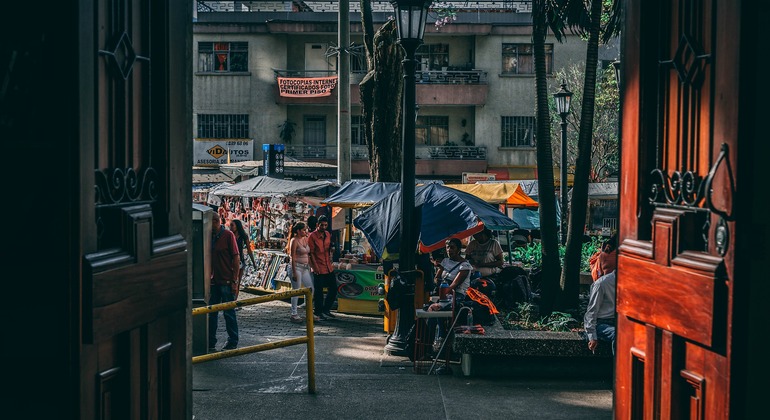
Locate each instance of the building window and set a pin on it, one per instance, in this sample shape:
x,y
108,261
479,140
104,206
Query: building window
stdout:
x,y
432,130
357,128
223,126
520,59
517,131
223,57
433,56
358,59
314,129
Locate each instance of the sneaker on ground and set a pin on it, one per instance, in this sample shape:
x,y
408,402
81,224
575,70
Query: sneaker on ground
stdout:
x,y
230,346
316,318
296,319
329,315
321,317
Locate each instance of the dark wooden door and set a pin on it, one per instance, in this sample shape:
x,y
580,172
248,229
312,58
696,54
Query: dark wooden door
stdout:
x,y
136,207
676,270
95,104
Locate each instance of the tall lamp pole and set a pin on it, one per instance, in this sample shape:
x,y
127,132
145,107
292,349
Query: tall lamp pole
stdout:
x,y
562,99
410,19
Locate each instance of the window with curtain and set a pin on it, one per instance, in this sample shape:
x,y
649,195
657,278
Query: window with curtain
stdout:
x,y
223,57
520,59
431,130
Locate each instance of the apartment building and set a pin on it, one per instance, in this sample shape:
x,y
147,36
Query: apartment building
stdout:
x,y
475,85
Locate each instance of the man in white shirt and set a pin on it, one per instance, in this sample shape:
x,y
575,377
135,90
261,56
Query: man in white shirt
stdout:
x,y
600,319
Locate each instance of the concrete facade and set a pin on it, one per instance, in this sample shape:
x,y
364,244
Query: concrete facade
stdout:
x,y
474,42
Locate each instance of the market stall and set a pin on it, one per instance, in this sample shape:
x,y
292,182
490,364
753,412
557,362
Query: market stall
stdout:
x,y
512,200
361,264
269,206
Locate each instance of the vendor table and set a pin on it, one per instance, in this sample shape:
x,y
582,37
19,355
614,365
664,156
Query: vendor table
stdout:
x,y
423,338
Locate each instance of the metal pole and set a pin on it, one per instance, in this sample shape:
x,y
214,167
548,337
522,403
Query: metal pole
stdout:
x,y
343,95
563,186
406,262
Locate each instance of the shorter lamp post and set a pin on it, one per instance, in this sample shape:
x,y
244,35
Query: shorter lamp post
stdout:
x,y
562,99
411,16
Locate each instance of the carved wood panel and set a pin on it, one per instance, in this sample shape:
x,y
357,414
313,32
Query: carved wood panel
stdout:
x,y
673,289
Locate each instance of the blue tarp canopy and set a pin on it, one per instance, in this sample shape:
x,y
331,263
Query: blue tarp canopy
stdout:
x,y
357,194
443,213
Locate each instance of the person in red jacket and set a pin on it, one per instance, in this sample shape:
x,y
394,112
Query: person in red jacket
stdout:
x,y
225,265
323,271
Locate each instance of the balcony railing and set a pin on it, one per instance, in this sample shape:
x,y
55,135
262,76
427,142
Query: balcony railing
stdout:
x,y
310,152
431,77
331,6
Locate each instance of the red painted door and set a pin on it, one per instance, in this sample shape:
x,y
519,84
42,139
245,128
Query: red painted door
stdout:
x,y
678,228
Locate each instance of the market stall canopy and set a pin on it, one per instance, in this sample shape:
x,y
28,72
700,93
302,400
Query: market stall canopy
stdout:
x,y
601,191
357,193
508,193
208,177
265,186
444,213
292,167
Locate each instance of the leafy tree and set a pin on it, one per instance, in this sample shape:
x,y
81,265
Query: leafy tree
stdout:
x,y
596,20
604,140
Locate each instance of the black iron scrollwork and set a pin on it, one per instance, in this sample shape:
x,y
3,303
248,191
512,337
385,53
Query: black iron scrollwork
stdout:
x,y
120,186
686,190
679,189
727,213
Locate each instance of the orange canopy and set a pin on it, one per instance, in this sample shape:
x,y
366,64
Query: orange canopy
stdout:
x,y
509,193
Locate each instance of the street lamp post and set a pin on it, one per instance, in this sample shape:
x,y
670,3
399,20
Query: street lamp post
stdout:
x,y
410,19
562,99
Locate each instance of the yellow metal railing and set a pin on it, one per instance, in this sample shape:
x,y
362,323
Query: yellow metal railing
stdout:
x,y
273,345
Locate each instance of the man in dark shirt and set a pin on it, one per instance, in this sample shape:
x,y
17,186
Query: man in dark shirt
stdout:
x,y
323,272
225,263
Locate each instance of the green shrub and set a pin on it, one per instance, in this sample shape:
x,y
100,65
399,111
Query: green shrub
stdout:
x,y
531,255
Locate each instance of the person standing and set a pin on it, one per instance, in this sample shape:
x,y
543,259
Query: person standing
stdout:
x,y
225,264
242,239
299,257
600,319
323,271
485,253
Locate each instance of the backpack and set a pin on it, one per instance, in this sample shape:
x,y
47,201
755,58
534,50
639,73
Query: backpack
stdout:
x,y
397,290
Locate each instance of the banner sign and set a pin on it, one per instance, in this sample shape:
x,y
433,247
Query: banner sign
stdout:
x,y
359,284
208,152
473,177
306,87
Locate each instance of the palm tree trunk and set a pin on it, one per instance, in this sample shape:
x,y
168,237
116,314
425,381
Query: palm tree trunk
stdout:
x,y
570,277
545,183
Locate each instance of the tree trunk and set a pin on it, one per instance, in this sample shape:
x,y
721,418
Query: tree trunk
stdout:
x,y
570,277
381,93
547,208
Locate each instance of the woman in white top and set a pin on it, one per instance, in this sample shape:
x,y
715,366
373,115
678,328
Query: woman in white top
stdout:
x,y
455,269
299,254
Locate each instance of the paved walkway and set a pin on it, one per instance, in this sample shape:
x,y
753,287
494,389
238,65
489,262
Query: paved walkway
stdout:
x,y
356,380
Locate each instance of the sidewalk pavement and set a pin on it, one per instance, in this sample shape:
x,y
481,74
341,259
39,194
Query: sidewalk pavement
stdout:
x,y
356,379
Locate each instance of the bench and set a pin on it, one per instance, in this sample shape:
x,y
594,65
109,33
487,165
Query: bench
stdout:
x,y
501,352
